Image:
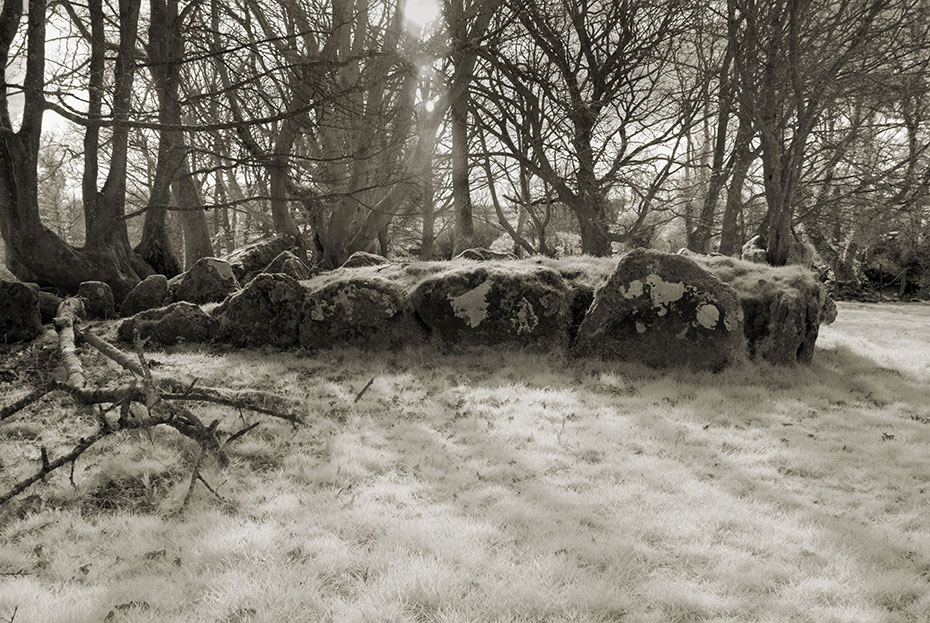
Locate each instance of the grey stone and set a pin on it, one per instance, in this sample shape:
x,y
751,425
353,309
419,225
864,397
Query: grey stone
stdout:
x,y
48,305
355,310
664,310
481,254
178,322
361,259
521,304
149,293
251,259
291,265
783,308
209,280
20,320
266,311
98,300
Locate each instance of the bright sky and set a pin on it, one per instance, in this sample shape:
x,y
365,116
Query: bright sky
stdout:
x,y
422,12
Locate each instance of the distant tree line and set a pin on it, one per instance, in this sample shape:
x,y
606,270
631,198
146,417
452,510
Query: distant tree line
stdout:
x,y
137,136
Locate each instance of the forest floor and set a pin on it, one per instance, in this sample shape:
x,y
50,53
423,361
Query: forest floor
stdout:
x,y
496,486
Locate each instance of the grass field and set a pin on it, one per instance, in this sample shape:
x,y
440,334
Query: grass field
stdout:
x,y
498,486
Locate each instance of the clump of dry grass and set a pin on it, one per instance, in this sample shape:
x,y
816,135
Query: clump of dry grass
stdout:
x,y
521,488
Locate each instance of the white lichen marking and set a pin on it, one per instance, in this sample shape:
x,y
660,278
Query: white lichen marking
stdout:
x,y
526,319
640,327
664,292
707,315
472,306
318,312
633,290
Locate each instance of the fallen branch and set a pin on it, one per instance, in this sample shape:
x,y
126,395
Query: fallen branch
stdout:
x,y
50,466
14,408
364,389
110,351
161,399
69,312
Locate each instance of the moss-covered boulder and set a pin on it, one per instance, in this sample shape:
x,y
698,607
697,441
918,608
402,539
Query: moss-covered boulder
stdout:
x,y
360,259
178,322
98,300
149,293
48,305
514,303
266,311
360,310
783,307
20,320
209,280
663,310
480,254
289,264
251,259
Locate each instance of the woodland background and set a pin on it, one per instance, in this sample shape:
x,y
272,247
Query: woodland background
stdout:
x,y
138,136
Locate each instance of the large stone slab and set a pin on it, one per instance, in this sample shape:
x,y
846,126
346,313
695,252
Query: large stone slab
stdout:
x,y
265,312
291,265
252,258
519,304
664,310
360,259
209,280
360,310
98,300
20,320
149,293
178,322
783,307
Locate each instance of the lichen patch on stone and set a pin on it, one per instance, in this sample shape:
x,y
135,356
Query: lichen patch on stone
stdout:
x,y
472,306
633,290
707,315
318,312
526,319
640,327
664,292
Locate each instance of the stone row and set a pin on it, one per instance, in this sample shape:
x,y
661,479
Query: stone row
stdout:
x,y
656,308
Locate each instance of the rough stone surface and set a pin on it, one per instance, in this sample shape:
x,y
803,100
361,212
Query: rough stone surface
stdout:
x,y
517,304
754,250
783,308
48,305
483,255
289,264
178,322
252,258
19,312
356,310
360,259
664,310
149,293
209,280
266,311
98,300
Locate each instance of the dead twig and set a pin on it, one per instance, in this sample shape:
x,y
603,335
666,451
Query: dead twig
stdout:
x,y
240,433
195,474
364,389
14,408
50,466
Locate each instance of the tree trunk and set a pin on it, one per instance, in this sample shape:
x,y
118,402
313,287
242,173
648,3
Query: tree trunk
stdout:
x,y
34,251
730,242
197,242
464,237
718,175
592,218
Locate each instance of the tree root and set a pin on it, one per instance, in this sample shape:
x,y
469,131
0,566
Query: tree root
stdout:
x,y
159,398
